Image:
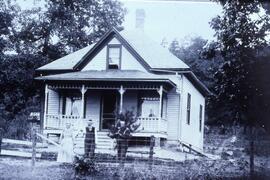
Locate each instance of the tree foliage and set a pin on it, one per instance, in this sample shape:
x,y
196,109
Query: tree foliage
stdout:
x,y
192,55
241,33
65,26
35,36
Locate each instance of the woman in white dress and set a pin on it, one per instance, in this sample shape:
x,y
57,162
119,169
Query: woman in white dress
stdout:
x,y
66,154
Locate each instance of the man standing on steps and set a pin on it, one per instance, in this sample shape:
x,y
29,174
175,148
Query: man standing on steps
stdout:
x,y
89,141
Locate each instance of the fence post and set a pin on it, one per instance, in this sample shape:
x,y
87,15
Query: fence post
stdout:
x,y
34,142
151,153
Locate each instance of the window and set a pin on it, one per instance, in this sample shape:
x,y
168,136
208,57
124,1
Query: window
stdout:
x,y
71,106
188,108
200,118
114,56
149,107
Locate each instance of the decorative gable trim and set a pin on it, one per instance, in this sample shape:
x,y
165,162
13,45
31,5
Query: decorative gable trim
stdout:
x,y
101,44
94,51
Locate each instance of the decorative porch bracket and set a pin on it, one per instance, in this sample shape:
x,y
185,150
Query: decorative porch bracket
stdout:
x,y
83,91
121,91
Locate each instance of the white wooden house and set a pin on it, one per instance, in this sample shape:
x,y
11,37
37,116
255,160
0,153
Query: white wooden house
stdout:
x,y
124,71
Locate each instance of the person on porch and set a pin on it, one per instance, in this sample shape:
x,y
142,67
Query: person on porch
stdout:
x,y
65,153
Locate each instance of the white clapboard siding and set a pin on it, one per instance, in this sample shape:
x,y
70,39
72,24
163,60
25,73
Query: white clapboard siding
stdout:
x,y
114,41
128,61
53,102
92,108
98,62
190,132
173,114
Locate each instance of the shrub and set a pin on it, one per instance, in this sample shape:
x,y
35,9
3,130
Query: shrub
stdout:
x,y
84,166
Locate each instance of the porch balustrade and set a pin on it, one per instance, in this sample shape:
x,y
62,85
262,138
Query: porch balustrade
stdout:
x,y
59,121
153,124
148,124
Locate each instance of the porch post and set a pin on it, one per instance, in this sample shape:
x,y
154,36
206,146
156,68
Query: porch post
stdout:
x,y
160,91
121,91
45,106
83,91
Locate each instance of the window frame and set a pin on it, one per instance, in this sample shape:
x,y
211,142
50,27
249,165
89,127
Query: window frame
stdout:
x,y
200,117
64,105
144,101
188,108
120,55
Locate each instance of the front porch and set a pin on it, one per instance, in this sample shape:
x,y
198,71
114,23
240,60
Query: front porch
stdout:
x,y
149,125
79,103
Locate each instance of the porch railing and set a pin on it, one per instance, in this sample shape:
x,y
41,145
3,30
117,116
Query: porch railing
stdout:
x,y
153,124
59,121
148,124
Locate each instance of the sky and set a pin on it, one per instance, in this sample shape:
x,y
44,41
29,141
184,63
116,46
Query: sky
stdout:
x,y
173,19
169,19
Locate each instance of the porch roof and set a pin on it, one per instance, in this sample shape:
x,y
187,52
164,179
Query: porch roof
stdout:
x,y
107,75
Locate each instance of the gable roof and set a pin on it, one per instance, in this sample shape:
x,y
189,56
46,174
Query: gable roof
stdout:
x,y
149,53
155,55
67,62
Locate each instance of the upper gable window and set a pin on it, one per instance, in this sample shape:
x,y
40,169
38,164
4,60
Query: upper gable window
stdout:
x,y
114,56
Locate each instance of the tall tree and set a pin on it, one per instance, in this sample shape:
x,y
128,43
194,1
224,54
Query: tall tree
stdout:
x,y
240,37
191,53
65,26
241,33
7,14
33,37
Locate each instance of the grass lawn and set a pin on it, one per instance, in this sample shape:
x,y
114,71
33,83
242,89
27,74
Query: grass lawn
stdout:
x,y
15,168
20,168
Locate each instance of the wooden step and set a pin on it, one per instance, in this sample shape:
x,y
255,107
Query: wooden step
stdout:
x,y
104,141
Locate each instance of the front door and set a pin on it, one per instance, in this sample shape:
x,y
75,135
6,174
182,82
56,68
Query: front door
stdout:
x,y
109,107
